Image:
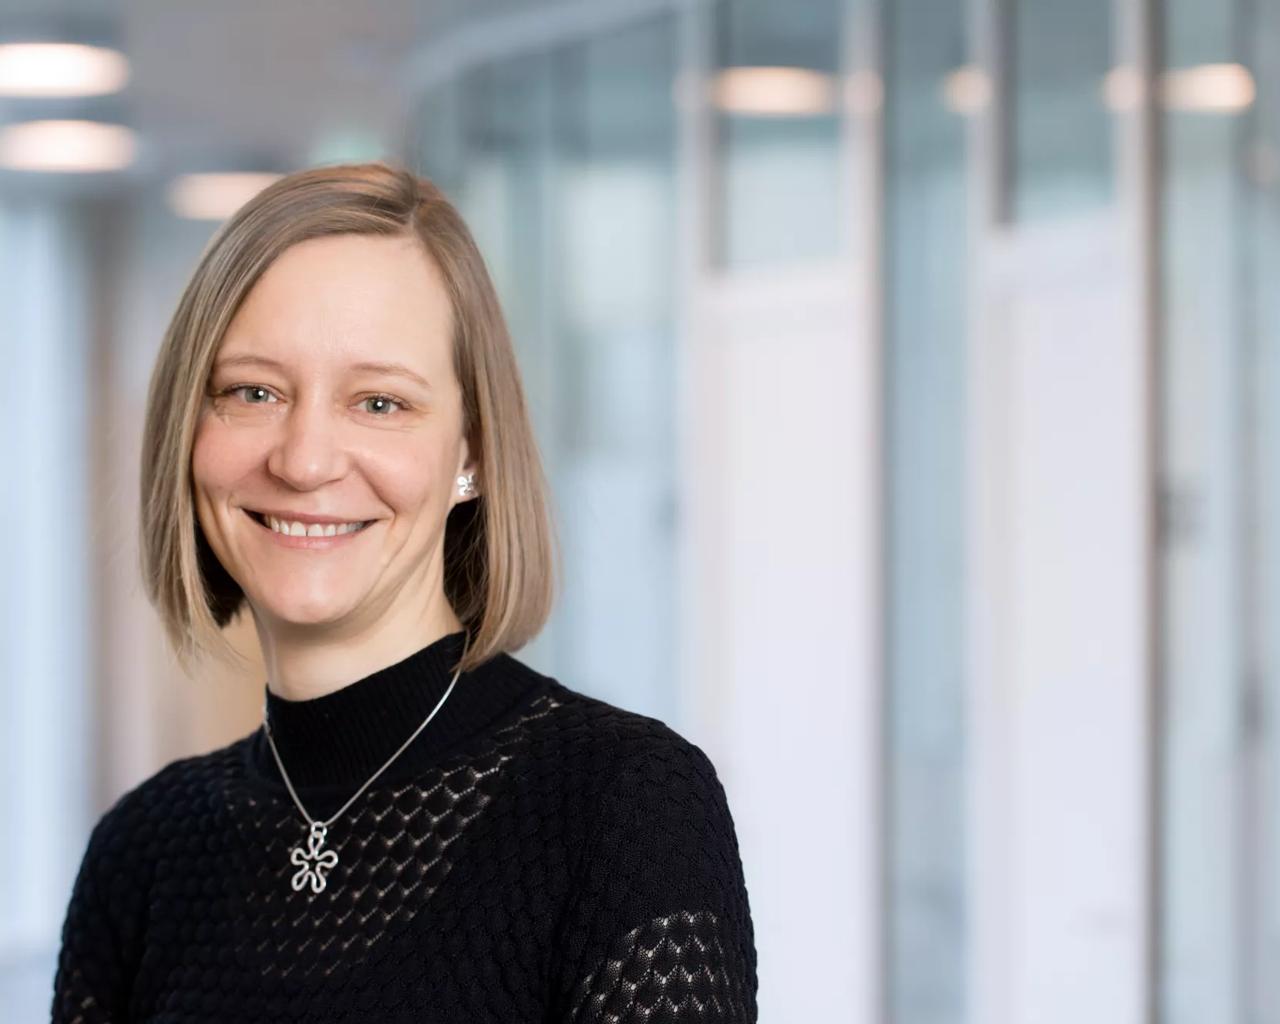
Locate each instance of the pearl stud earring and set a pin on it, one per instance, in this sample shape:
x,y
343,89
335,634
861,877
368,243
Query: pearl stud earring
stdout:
x,y
466,485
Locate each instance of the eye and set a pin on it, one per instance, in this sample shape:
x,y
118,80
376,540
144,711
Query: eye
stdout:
x,y
384,401
379,405
257,389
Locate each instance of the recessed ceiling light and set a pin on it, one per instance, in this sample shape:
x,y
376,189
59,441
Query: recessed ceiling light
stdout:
x,y
966,90
215,196
773,91
1201,89
60,69
1208,88
66,146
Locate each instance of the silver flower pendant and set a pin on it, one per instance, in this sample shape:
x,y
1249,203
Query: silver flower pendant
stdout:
x,y
313,864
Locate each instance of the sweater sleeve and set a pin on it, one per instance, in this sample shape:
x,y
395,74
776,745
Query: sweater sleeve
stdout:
x,y
92,980
658,930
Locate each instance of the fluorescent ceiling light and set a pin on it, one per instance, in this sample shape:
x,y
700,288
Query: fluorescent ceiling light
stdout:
x,y
66,146
773,91
215,196
60,69
1203,88
966,90
1208,88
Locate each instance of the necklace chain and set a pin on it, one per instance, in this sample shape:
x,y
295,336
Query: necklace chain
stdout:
x,y
314,863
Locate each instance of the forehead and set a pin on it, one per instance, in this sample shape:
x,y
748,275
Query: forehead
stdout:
x,y
347,297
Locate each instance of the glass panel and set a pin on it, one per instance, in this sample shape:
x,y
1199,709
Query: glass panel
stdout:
x,y
563,163
776,93
1220,383
1061,131
505,126
1260,124
925,316
615,232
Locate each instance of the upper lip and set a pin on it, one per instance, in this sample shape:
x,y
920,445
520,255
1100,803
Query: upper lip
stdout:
x,y
303,517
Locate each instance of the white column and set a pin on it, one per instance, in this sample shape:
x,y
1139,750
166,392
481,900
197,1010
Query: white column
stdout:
x,y
45,582
782,495
1059,568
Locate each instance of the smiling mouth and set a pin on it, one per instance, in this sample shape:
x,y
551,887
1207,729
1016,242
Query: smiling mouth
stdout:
x,y
324,528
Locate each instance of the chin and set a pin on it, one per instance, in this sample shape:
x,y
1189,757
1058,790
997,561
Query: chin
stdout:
x,y
312,619
310,612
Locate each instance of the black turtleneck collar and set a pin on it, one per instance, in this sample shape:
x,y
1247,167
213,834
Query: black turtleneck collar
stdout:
x,y
340,739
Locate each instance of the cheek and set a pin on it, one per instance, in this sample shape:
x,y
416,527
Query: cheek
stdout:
x,y
410,481
218,459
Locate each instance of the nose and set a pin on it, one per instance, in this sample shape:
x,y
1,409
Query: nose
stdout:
x,y
308,452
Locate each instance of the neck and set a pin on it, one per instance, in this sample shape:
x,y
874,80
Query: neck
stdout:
x,y
306,662
340,739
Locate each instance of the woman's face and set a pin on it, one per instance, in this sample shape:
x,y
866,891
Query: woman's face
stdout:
x,y
333,395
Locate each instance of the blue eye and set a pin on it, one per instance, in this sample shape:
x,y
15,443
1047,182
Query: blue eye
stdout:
x,y
268,398
247,387
386,398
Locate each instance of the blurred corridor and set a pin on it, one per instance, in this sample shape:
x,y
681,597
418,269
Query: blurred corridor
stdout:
x,y
907,377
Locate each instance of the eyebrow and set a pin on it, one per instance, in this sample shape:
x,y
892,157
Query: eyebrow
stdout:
x,y
375,366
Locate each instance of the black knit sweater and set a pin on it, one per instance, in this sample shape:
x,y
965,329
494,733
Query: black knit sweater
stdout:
x,y
535,855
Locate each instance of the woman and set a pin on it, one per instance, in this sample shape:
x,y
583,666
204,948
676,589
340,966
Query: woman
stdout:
x,y
423,827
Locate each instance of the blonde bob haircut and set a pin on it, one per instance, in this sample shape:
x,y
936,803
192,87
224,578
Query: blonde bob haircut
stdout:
x,y
501,555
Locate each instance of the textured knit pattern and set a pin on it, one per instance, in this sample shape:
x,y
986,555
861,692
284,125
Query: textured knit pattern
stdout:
x,y
573,862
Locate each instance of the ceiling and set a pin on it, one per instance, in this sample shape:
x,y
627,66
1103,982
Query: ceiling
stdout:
x,y
239,82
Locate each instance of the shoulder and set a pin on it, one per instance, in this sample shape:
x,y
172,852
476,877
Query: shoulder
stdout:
x,y
138,824
591,736
613,757
656,848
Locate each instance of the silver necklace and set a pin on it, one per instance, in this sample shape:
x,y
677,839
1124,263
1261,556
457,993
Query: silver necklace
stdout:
x,y
314,863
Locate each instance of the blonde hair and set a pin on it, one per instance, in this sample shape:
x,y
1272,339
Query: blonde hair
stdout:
x,y
501,555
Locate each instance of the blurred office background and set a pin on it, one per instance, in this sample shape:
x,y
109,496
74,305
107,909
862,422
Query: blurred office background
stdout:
x,y
906,372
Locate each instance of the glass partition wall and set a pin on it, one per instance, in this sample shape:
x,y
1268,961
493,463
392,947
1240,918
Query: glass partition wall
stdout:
x,y
925,247
565,157
569,151
776,101
571,155
1220,383
562,160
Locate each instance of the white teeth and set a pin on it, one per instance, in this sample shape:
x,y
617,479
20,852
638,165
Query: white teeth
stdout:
x,y
297,529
